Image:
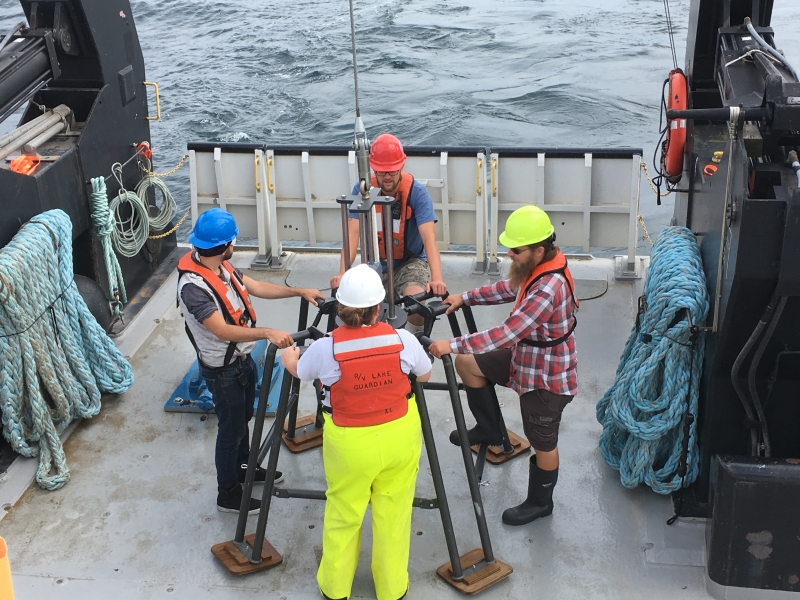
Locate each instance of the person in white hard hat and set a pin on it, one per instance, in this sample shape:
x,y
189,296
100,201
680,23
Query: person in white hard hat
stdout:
x,y
372,437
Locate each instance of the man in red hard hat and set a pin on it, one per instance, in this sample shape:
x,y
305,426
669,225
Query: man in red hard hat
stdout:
x,y
417,265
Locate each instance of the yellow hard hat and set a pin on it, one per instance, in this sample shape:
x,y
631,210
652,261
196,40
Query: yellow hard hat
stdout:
x,y
525,226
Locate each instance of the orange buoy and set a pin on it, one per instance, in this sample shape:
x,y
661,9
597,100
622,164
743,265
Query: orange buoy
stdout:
x,y
672,148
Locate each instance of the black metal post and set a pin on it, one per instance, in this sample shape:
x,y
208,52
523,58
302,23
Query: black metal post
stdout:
x,y
386,213
466,453
345,235
438,483
469,318
258,428
269,482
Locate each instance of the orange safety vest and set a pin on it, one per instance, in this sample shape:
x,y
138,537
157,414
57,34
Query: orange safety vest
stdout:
x,y
401,212
233,316
556,265
373,388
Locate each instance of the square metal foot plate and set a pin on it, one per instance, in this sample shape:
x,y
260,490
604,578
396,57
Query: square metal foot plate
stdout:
x,y
477,580
306,435
238,564
495,454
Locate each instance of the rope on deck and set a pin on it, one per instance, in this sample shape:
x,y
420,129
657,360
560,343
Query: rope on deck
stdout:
x,y
56,358
658,379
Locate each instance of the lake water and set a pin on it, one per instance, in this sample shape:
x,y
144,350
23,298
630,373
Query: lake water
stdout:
x,y
584,73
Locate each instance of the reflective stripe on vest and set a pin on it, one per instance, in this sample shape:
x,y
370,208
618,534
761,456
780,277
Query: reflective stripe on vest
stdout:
x,y
233,316
373,388
398,225
370,343
559,266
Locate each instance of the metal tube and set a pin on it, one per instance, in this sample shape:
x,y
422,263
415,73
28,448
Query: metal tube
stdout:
x,y
466,453
751,375
258,427
272,466
386,214
507,447
372,254
454,326
11,136
345,237
290,429
265,445
32,146
363,237
29,135
21,25
737,365
469,318
438,483
302,322
355,62
749,113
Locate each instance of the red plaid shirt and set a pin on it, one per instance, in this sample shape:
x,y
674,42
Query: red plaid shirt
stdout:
x,y
544,314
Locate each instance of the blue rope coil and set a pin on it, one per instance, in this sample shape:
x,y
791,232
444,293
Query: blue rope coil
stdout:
x,y
643,412
56,358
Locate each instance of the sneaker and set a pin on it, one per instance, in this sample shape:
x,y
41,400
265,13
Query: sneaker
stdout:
x,y
261,475
231,501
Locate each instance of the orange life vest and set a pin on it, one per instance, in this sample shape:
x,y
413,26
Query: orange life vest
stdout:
x,y
401,213
556,265
373,388
233,316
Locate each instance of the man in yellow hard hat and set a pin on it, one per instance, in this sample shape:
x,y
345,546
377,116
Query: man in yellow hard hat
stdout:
x,y
532,352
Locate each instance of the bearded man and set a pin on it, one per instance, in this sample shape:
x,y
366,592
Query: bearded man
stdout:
x,y
532,352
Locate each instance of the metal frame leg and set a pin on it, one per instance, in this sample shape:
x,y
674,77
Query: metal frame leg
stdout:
x,y
438,483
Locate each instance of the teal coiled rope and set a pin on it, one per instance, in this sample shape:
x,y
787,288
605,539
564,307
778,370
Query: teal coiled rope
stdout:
x,y
658,378
56,358
104,223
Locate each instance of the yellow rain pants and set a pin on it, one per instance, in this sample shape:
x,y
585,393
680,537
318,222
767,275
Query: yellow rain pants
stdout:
x,y
6,591
374,465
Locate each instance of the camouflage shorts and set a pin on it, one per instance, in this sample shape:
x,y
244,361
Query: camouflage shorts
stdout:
x,y
414,271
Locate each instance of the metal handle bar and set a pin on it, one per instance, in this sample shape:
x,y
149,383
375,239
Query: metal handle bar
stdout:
x,y
749,113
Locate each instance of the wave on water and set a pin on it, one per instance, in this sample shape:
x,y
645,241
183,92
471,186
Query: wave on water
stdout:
x,y
490,72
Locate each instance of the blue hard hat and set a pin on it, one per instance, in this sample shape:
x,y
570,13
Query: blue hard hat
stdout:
x,y
213,228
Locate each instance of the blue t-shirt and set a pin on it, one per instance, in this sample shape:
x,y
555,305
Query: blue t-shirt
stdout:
x,y
421,212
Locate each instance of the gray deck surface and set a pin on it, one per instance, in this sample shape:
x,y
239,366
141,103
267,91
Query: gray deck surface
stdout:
x,y
138,518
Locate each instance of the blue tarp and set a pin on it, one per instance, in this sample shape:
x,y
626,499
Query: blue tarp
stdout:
x,y
192,394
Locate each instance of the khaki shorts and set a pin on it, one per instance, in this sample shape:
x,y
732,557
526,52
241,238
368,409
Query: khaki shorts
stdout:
x,y
541,409
414,271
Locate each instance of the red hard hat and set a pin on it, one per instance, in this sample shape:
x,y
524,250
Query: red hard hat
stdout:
x,y
386,154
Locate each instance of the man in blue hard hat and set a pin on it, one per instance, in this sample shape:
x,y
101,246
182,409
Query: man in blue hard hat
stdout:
x,y
221,323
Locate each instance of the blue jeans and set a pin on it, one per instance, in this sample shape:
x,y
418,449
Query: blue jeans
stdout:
x,y
233,403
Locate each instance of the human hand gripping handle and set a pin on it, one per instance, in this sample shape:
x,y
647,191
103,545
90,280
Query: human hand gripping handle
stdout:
x,y
439,348
311,295
437,286
280,338
455,301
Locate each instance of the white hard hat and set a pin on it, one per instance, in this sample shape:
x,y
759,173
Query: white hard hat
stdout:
x,y
360,287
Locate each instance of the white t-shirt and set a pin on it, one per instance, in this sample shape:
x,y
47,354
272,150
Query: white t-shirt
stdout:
x,y
317,361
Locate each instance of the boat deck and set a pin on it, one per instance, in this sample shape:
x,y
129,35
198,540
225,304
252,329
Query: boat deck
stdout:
x,y
138,518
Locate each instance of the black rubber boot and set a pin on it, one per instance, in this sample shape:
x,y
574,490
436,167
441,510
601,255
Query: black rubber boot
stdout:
x,y
483,404
540,497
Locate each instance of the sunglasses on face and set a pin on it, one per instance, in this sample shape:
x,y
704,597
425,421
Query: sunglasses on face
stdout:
x,y
519,250
383,173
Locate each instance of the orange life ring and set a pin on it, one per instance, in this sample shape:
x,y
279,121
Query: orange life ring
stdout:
x,y
672,149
